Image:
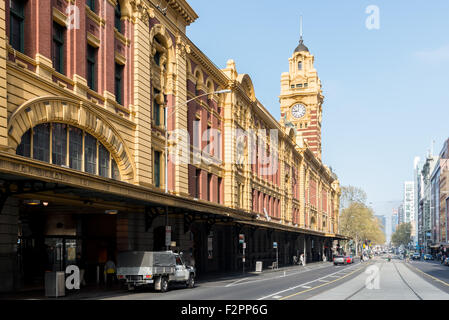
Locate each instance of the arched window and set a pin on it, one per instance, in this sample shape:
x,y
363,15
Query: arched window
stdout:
x,y
69,147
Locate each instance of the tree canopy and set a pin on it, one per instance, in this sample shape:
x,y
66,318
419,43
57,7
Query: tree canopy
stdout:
x,y
358,222
402,235
351,194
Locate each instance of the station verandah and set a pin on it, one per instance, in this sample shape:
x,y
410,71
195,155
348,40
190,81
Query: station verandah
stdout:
x,y
48,225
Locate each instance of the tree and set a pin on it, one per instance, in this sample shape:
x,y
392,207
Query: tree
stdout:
x,y
351,194
402,235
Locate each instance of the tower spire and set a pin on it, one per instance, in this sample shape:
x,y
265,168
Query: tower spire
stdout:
x,y
300,28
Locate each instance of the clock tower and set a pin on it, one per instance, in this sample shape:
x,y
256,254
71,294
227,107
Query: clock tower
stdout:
x,y
301,98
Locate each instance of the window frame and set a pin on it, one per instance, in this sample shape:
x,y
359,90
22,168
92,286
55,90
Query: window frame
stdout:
x,y
91,66
58,45
27,146
20,16
119,83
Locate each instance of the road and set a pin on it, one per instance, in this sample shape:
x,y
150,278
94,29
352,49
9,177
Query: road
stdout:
x,y
309,280
376,279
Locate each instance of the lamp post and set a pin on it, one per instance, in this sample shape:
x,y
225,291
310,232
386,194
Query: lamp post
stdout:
x,y
166,140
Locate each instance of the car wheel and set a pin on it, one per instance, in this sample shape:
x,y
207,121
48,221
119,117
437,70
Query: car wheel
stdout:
x,y
164,284
191,281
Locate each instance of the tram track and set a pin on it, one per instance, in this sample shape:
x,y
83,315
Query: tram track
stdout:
x,y
355,293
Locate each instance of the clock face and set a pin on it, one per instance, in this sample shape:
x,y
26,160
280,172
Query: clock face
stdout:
x,y
298,111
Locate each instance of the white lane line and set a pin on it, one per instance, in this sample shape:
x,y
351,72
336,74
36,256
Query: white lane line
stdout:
x,y
322,280
298,286
277,297
235,282
305,287
239,282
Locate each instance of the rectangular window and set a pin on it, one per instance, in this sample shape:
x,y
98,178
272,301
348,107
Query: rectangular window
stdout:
x,y
76,148
58,47
157,169
91,4
91,67
209,187
59,144
103,161
198,180
17,21
300,65
156,110
41,142
219,190
118,83
118,17
90,154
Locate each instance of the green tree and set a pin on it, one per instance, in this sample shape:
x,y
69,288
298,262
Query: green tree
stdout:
x,y
358,222
351,194
402,235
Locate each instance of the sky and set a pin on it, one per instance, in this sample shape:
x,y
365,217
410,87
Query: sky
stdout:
x,y
386,90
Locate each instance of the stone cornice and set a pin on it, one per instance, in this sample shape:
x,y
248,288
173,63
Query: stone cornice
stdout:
x,y
184,9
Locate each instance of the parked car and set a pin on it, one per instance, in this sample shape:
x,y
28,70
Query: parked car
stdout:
x,y
416,256
428,257
340,260
140,268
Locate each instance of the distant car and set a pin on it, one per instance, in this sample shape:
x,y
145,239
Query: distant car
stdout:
x,y
340,260
416,256
349,259
428,257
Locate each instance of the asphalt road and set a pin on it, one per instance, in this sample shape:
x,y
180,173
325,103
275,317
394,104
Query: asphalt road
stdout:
x,y
300,282
432,271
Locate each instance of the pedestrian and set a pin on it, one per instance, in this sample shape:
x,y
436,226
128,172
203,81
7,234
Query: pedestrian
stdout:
x,y
302,259
110,271
361,257
295,260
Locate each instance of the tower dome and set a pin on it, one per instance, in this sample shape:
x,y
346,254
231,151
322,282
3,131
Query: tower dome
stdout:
x,y
301,47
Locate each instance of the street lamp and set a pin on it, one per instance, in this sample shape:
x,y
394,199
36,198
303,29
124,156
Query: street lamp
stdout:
x,y
166,139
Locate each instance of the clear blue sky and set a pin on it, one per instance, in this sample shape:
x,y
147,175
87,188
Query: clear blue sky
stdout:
x,y
386,91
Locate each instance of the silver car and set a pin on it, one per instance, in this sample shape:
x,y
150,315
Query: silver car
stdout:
x,y
340,260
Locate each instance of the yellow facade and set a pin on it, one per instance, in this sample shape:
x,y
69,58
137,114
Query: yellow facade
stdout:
x,y
33,97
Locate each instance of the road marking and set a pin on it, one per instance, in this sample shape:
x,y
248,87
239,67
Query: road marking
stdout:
x,y
306,287
323,280
321,285
239,282
277,297
301,285
425,273
235,282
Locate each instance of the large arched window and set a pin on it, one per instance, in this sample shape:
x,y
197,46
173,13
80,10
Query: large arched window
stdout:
x,y
70,147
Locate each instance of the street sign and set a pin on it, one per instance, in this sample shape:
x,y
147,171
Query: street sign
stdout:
x,y
275,245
